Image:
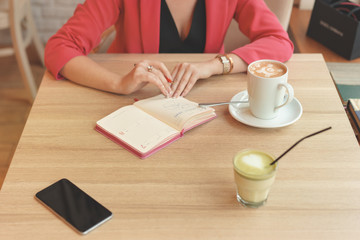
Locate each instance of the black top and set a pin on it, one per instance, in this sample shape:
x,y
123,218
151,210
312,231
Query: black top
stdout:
x,y
170,41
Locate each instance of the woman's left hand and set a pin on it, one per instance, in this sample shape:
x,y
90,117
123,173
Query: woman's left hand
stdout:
x,y
185,75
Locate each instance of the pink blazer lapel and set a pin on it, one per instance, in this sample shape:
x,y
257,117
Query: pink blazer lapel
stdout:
x,y
150,25
216,25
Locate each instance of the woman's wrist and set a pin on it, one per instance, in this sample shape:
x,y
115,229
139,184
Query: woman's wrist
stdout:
x,y
116,84
227,63
124,84
216,67
239,65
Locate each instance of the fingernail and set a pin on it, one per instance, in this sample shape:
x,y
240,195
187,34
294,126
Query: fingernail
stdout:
x,y
168,79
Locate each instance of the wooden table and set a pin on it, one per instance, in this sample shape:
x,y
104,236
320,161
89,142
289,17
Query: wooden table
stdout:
x,y
299,23
187,190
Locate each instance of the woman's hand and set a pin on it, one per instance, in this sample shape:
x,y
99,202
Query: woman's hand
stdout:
x,y
185,75
145,72
85,71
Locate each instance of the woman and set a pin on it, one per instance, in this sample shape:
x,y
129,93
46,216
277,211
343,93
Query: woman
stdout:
x,y
159,26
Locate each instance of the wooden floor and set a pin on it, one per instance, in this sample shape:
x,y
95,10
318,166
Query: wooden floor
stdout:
x,y
14,109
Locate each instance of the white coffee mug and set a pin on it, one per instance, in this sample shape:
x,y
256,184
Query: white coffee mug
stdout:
x,y
267,85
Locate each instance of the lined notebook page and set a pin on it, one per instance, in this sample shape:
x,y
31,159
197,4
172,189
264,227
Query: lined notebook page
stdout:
x,y
174,111
137,128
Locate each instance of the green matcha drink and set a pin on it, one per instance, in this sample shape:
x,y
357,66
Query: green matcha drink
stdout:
x,y
253,176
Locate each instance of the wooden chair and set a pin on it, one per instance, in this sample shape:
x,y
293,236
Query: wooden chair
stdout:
x,y
16,15
107,37
281,8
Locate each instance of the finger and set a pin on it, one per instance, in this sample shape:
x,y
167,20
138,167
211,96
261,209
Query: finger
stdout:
x,y
147,72
152,67
190,85
175,71
174,83
152,78
142,64
161,66
183,82
163,79
177,79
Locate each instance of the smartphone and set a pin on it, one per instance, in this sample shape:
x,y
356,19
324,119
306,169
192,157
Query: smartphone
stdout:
x,y
74,206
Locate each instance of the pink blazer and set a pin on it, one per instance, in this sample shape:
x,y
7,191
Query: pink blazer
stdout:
x,y
137,24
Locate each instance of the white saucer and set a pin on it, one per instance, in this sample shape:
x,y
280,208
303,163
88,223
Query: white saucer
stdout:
x,y
287,114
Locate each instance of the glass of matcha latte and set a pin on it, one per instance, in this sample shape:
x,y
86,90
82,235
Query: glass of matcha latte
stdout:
x,y
254,176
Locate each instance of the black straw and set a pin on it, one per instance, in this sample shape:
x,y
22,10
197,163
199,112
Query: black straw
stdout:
x,y
298,143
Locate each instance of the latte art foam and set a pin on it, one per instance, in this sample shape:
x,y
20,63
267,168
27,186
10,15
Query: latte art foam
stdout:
x,y
267,69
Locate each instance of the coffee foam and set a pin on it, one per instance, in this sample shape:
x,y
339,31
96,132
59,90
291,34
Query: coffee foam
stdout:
x,y
267,69
253,160
254,163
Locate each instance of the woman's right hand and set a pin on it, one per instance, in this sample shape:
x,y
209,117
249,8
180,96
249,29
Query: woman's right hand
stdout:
x,y
145,72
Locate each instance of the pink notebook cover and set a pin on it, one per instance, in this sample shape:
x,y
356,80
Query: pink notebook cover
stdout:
x,y
152,151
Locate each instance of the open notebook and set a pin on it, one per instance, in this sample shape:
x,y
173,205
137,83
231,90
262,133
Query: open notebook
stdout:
x,y
151,124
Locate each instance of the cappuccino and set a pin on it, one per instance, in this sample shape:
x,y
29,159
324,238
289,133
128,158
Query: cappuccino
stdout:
x,y
267,69
266,86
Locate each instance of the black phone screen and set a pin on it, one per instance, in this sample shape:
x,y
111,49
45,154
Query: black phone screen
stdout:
x,y
74,206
